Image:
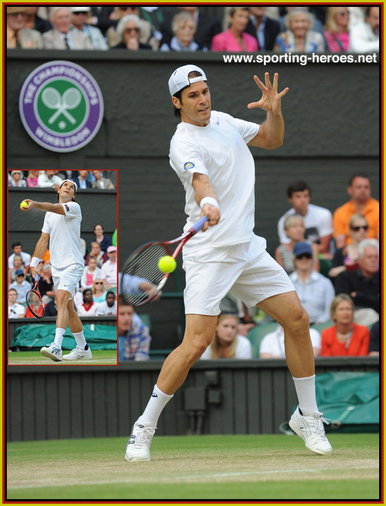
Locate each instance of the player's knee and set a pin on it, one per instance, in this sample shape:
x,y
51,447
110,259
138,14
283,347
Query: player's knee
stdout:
x,y
195,349
298,321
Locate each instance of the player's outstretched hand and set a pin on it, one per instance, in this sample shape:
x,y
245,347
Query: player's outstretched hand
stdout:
x,y
271,99
213,214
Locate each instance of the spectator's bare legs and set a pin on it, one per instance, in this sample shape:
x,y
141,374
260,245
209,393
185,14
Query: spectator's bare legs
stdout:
x,y
287,310
199,333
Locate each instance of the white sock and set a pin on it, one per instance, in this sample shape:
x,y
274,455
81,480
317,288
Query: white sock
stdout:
x,y
156,404
80,340
59,334
305,390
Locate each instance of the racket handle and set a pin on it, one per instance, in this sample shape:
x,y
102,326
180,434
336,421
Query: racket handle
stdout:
x,y
198,226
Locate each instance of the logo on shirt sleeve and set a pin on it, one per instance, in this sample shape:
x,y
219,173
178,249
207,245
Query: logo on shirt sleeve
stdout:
x,y
188,165
67,208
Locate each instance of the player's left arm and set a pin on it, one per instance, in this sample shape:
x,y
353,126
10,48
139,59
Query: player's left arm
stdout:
x,y
271,132
44,206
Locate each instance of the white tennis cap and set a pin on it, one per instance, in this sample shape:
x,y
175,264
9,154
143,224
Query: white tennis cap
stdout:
x,y
179,79
71,181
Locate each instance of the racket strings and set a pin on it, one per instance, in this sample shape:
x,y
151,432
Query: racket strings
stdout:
x,y
142,268
34,303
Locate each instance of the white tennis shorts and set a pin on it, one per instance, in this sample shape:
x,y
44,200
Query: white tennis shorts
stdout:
x,y
249,272
68,278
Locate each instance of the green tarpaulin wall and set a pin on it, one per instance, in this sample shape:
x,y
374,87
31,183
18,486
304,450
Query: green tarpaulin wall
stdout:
x,y
349,400
99,337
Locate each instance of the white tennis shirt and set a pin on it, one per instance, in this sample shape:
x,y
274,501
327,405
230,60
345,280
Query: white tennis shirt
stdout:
x,y
64,233
220,151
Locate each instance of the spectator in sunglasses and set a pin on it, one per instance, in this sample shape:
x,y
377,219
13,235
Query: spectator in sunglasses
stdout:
x,y
130,31
346,258
315,291
361,202
98,290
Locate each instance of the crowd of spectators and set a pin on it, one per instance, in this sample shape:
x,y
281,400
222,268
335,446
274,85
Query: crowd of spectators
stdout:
x,y
189,28
96,295
52,178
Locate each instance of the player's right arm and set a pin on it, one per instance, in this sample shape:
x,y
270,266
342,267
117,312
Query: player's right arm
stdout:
x,y
203,188
44,206
40,249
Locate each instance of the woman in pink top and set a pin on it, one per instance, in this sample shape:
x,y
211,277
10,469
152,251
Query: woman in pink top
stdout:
x,y
235,39
337,29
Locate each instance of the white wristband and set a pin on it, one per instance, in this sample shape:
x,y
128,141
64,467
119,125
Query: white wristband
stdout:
x,y
209,200
35,261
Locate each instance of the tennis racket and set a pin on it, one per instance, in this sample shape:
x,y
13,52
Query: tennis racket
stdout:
x,y
34,300
142,280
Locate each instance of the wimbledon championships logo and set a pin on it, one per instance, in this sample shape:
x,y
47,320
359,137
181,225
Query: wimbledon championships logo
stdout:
x,y
61,106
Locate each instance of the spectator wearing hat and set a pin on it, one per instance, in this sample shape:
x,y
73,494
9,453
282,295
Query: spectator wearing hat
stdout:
x,y
20,285
34,21
18,36
61,37
109,268
79,20
315,291
17,180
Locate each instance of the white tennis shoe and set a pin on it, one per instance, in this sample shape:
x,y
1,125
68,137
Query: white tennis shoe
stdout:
x,y
138,445
311,430
53,352
79,354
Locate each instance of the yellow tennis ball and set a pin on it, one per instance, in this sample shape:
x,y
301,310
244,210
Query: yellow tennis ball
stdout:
x,y
167,264
23,204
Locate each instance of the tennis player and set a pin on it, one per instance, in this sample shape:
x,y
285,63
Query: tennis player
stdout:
x,y
61,231
209,152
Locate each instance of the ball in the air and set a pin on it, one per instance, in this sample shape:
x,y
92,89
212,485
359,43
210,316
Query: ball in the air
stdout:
x,y
23,204
167,264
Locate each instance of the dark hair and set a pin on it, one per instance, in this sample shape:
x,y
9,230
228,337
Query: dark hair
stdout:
x,y
297,186
98,224
110,292
358,174
17,243
86,290
368,9
234,9
177,112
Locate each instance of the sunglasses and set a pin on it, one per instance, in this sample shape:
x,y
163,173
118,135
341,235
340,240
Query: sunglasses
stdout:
x,y
343,13
99,283
128,30
304,255
359,227
80,12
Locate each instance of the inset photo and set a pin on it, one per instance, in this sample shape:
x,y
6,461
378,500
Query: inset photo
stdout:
x,y
62,267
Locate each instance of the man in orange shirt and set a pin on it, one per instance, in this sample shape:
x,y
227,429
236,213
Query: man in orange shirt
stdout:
x,y
362,203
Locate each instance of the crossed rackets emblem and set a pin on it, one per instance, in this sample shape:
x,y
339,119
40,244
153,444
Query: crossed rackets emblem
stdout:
x,y
61,103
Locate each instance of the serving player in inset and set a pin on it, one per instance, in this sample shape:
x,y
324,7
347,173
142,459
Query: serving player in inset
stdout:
x,y
61,234
209,152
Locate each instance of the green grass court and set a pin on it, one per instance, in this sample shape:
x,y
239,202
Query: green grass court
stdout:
x,y
267,467
99,357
